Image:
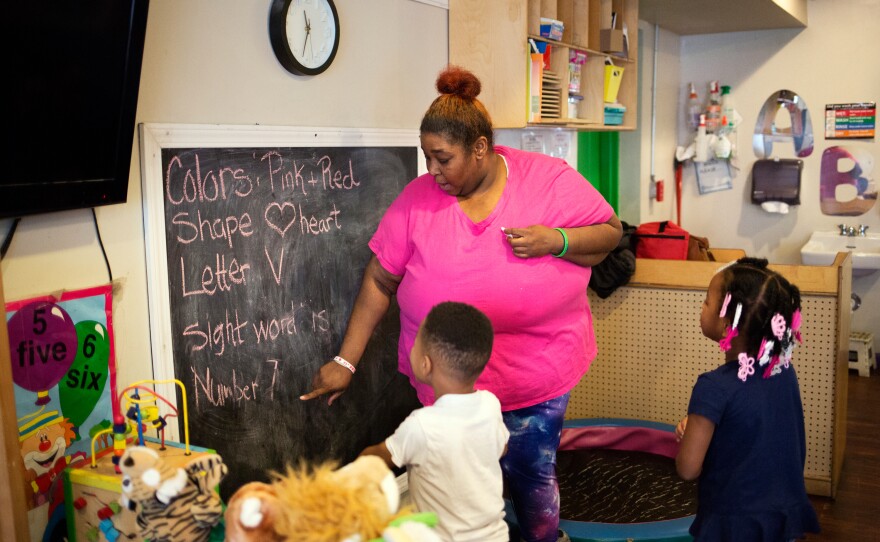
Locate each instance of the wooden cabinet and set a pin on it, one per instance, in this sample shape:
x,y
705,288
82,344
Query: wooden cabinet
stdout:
x,y
689,17
491,39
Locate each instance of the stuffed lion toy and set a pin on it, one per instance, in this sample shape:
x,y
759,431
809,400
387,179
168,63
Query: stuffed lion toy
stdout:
x,y
356,503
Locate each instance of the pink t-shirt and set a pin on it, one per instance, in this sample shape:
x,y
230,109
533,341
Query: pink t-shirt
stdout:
x,y
544,341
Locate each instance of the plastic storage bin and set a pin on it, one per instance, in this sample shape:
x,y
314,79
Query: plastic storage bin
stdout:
x,y
614,114
573,101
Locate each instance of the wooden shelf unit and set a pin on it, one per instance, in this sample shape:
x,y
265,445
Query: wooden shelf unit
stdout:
x,y
491,38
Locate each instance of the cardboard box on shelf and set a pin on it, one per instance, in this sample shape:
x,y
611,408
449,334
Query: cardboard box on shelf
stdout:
x,y
611,40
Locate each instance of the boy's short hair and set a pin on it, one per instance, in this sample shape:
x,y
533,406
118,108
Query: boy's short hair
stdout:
x,y
459,336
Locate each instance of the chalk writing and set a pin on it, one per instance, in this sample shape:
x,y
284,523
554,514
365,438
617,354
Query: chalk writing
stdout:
x,y
233,388
218,228
221,277
266,249
216,336
335,178
276,273
280,216
188,185
274,327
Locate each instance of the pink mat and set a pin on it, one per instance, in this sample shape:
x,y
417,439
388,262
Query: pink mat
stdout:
x,y
637,439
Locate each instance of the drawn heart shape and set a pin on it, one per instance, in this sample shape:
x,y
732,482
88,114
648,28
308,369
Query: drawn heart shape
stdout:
x,y
280,212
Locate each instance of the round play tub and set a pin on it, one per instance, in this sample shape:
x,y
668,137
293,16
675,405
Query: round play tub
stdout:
x,y
617,482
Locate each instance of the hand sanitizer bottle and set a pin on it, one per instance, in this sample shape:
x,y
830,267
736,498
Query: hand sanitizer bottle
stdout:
x,y
694,109
722,144
727,104
713,110
701,143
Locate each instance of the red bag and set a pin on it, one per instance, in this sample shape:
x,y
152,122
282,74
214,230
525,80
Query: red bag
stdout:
x,y
662,241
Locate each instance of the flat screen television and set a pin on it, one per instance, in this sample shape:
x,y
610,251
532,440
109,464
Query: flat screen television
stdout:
x,y
70,118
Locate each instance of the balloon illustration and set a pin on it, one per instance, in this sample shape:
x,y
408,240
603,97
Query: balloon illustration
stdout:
x,y
81,388
42,342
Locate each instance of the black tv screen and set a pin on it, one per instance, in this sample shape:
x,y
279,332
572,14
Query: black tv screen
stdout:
x,y
70,121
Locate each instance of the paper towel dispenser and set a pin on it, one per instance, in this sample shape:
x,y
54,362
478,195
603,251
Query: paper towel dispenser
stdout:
x,y
777,180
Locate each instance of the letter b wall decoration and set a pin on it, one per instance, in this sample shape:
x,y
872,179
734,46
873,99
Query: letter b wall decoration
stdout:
x,y
846,183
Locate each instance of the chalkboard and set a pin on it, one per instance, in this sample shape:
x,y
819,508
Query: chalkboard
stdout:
x,y
257,241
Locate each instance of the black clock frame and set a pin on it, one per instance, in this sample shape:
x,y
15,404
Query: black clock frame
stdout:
x,y
278,38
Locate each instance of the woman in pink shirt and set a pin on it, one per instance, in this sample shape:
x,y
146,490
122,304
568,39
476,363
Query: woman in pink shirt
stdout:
x,y
513,233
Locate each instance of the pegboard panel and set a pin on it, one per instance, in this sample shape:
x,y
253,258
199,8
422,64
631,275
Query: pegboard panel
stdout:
x,y
815,364
651,350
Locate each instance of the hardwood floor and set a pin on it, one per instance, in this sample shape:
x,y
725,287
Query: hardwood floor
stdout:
x,y
855,513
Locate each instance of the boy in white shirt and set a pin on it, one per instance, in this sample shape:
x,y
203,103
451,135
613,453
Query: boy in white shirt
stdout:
x,y
451,449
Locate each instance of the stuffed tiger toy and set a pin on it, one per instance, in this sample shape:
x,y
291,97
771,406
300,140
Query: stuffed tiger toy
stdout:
x,y
172,504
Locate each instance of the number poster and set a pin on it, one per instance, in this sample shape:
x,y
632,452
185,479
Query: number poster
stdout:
x,y
63,373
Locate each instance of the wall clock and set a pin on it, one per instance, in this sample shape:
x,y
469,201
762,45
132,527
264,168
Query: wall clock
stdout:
x,y
304,34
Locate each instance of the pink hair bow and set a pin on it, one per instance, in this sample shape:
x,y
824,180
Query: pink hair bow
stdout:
x,y
772,367
746,366
796,325
762,348
724,343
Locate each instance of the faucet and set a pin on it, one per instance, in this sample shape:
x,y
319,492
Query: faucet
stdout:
x,y
852,231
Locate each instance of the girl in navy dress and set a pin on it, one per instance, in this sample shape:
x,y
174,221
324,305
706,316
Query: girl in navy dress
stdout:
x,y
744,432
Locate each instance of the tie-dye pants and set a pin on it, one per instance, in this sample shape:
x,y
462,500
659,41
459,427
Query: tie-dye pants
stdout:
x,y
530,467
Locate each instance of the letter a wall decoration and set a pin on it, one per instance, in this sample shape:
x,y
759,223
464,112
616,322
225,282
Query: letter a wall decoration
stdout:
x,y
64,377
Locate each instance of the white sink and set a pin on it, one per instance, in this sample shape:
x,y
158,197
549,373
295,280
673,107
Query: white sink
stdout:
x,y
823,247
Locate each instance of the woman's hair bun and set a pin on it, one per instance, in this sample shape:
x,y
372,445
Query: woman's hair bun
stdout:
x,y
459,82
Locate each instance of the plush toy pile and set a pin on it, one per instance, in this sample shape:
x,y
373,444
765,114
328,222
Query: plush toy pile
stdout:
x,y
356,503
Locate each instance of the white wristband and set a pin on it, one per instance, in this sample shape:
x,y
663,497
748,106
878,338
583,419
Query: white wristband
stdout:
x,y
344,363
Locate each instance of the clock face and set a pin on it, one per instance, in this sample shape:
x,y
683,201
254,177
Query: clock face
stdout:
x,y
304,34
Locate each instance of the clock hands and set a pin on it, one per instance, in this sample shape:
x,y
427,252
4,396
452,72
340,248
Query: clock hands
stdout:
x,y
308,32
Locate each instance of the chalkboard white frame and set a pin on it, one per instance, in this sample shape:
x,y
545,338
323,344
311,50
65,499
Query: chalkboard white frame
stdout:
x,y
153,138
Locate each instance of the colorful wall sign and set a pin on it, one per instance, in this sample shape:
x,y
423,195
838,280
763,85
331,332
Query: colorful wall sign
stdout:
x,y
850,121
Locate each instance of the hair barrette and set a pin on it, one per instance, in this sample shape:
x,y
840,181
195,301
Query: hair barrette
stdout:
x,y
764,352
777,324
746,366
724,305
737,314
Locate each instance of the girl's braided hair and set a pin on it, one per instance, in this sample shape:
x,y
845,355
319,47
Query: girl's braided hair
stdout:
x,y
764,294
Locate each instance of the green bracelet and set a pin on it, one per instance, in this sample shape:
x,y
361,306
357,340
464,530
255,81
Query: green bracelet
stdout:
x,y
564,243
